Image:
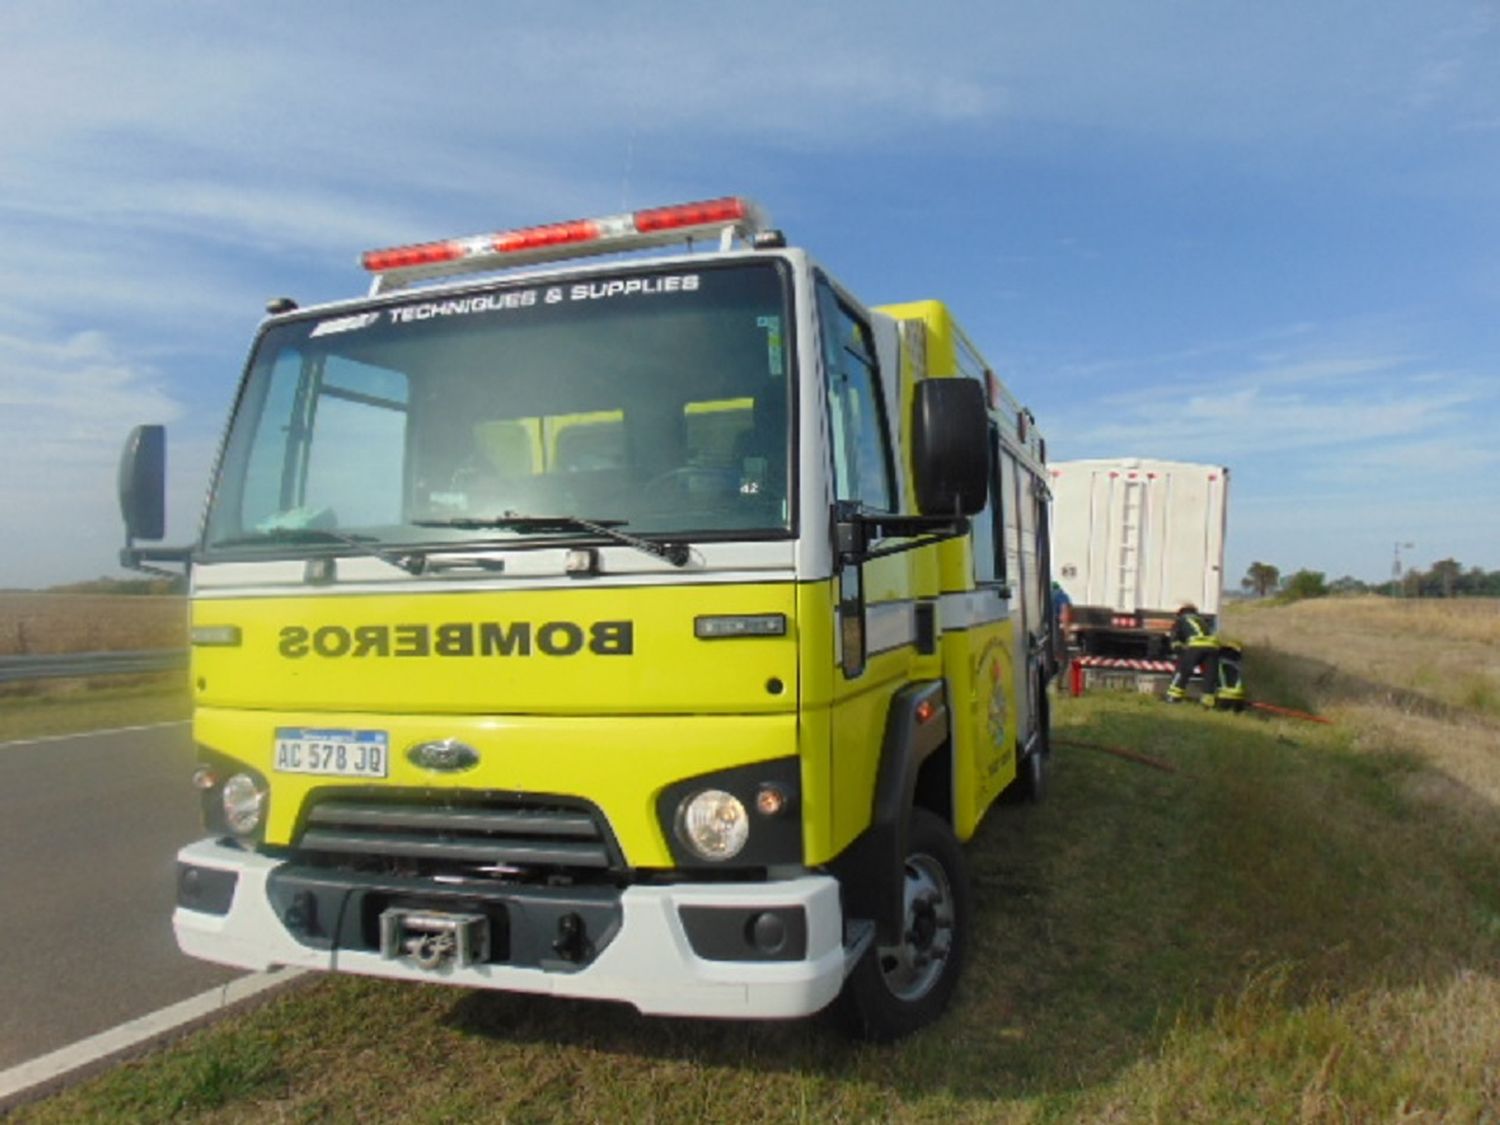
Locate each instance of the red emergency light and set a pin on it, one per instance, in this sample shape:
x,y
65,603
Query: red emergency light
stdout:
x,y
653,226
712,212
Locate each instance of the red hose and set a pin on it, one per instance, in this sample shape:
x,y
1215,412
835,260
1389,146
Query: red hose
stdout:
x,y
1119,752
1289,713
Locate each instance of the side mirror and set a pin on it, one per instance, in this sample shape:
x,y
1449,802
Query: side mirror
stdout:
x,y
143,483
950,447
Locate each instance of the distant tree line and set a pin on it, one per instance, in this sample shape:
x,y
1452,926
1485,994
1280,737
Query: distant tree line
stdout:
x,y
1446,578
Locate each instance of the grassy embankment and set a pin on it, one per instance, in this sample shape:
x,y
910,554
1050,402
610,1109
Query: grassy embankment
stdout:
x,y
57,623
1301,923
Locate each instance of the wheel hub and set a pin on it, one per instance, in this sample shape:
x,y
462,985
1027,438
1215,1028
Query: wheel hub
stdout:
x,y
912,966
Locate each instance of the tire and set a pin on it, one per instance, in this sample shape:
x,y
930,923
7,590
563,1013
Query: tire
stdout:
x,y
1031,779
1030,784
1039,765
895,990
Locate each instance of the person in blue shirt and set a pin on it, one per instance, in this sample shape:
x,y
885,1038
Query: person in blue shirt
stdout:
x,y
1062,610
1060,601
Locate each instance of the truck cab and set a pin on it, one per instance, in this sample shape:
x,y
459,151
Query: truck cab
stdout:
x,y
653,629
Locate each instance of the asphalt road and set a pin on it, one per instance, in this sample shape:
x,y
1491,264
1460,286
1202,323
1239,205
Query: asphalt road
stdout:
x,y
89,830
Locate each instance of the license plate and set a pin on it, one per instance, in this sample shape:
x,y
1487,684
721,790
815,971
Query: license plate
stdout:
x,y
332,753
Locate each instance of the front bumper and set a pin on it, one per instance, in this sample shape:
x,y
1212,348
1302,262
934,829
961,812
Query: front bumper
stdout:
x,y
652,955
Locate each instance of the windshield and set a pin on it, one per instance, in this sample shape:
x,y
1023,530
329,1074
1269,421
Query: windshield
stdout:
x,y
650,399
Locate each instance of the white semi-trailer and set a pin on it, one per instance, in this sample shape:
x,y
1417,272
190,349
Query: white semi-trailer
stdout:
x,y
1134,539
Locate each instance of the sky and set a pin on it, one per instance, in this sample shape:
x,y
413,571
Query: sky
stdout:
x,y
1263,236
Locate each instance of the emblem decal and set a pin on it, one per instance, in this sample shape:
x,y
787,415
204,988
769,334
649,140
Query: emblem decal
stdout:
x,y
446,756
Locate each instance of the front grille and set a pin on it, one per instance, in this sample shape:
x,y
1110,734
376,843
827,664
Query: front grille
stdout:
x,y
509,831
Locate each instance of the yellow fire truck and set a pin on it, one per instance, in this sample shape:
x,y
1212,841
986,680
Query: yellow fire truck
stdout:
x,y
649,630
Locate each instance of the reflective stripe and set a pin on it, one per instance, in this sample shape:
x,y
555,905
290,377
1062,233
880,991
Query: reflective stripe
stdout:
x,y
971,608
890,625
1201,636
1130,663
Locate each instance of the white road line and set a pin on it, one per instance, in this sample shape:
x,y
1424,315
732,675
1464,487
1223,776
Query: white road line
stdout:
x,y
53,1067
92,733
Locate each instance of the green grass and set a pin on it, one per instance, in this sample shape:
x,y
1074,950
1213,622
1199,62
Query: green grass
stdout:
x,y
45,708
1481,693
193,1082
1275,931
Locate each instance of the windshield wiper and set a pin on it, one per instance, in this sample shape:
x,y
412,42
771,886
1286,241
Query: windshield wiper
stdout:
x,y
413,563
675,553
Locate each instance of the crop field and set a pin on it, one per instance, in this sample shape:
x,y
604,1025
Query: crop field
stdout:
x,y
44,623
1428,656
1290,922
47,623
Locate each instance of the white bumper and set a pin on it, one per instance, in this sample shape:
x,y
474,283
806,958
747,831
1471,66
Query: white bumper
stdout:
x,y
649,963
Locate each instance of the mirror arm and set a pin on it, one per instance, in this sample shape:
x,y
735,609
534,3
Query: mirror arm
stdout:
x,y
855,529
141,558
924,541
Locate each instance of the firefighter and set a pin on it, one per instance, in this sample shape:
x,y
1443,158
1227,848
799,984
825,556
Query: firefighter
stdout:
x,y
1197,648
1231,693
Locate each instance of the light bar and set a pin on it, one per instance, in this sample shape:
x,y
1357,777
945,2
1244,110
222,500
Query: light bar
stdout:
x,y
653,226
730,209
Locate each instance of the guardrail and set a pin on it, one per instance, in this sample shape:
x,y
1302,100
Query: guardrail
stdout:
x,y
80,664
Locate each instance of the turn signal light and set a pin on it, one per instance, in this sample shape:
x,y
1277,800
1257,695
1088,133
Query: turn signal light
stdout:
x,y
770,800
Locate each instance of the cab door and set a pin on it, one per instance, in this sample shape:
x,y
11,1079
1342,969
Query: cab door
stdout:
x,y
981,665
874,613
1035,595
1019,532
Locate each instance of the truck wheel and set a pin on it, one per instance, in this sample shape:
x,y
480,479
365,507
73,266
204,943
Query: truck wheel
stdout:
x,y
1039,765
1030,784
896,989
1031,781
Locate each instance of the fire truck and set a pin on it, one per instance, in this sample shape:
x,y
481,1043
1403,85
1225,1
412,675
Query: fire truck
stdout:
x,y
650,629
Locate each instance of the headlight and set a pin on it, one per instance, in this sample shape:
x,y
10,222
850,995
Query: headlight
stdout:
x,y
244,802
713,824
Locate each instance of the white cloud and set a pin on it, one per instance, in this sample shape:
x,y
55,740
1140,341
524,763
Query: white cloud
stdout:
x,y
65,408
341,95
317,91
1389,465
1334,451
1232,421
192,210
330,130
50,286
165,167
1328,392
1193,355
1339,533
67,389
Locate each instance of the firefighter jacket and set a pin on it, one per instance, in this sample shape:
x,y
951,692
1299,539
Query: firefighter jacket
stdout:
x,y
1191,630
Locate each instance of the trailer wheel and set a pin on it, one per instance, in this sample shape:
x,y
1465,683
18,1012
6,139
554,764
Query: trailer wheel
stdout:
x,y
896,989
